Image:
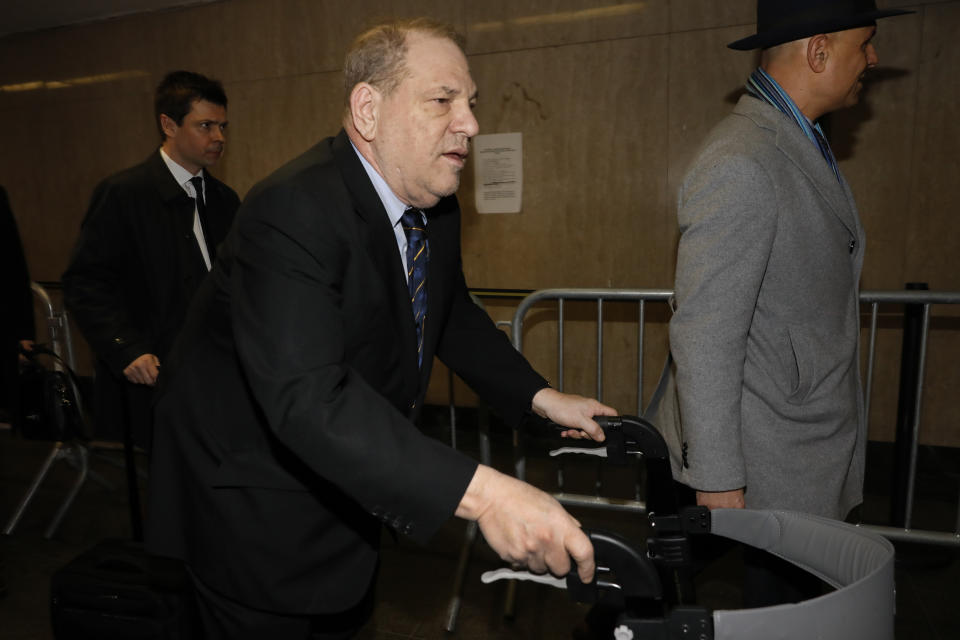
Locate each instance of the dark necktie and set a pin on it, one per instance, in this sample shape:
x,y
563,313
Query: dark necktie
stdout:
x,y
202,214
418,254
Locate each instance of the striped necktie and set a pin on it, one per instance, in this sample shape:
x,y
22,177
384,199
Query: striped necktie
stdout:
x,y
418,254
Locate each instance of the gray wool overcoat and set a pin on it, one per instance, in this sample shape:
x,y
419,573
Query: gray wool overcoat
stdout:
x,y
766,330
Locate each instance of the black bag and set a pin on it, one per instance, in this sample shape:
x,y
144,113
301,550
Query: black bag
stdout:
x,y
48,407
118,591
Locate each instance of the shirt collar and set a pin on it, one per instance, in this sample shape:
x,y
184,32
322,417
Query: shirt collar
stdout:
x,y
394,206
762,85
181,175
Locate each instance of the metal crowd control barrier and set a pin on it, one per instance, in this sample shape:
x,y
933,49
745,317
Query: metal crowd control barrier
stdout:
x,y
76,453
643,296
58,329
470,534
926,299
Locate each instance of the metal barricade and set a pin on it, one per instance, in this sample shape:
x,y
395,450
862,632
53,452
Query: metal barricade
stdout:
x,y
643,296
470,533
58,329
926,299
74,452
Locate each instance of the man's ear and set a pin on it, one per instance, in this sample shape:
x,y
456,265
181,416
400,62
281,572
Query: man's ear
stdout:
x,y
365,110
818,52
168,125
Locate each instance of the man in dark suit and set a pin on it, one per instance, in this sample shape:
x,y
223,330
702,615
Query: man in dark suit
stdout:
x,y
284,424
146,243
16,322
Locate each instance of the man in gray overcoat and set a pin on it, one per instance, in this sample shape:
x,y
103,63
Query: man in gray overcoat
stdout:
x,y
765,334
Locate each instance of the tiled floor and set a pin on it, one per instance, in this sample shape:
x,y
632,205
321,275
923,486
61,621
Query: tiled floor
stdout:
x,y
414,588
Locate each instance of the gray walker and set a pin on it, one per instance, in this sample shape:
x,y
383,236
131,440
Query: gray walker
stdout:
x,y
857,563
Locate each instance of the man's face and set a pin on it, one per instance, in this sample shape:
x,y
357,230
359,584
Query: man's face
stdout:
x,y
852,53
426,123
197,142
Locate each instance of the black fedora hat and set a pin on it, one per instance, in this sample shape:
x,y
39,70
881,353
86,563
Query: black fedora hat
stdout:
x,y
780,21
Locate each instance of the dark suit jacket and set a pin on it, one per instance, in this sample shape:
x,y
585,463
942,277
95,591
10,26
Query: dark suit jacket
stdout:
x,y
284,434
16,320
134,269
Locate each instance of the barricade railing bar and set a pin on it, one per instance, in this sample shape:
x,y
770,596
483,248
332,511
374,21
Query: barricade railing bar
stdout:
x,y
58,328
871,299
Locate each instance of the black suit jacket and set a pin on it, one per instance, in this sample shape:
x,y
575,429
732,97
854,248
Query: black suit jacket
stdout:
x,y
134,269
284,434
16,320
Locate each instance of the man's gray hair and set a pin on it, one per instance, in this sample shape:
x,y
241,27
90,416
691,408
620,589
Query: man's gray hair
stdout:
x,y
378,55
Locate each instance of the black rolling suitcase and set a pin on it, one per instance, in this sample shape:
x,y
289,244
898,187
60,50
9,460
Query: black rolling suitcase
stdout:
x,y
117,591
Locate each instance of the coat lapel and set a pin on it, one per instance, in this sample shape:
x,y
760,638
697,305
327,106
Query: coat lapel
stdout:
x,y
217,208
180,208
171,194
381,243
792,142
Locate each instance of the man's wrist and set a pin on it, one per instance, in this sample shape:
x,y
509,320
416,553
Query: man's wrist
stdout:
x,y
474,500
540,399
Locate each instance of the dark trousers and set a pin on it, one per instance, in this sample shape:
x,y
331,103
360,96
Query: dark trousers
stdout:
x,y
3,573
222,618
9,382
767,579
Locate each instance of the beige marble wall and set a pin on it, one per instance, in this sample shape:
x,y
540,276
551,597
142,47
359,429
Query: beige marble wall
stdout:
x,y
612,97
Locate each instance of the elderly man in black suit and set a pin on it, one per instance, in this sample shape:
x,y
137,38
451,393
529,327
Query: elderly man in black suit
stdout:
x,y
148,239
285,434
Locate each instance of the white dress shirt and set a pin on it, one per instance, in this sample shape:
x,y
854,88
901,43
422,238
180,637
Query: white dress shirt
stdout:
x,y
394,206
182,176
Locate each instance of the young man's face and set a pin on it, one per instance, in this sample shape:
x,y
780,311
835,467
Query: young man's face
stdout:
x,y
198,142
